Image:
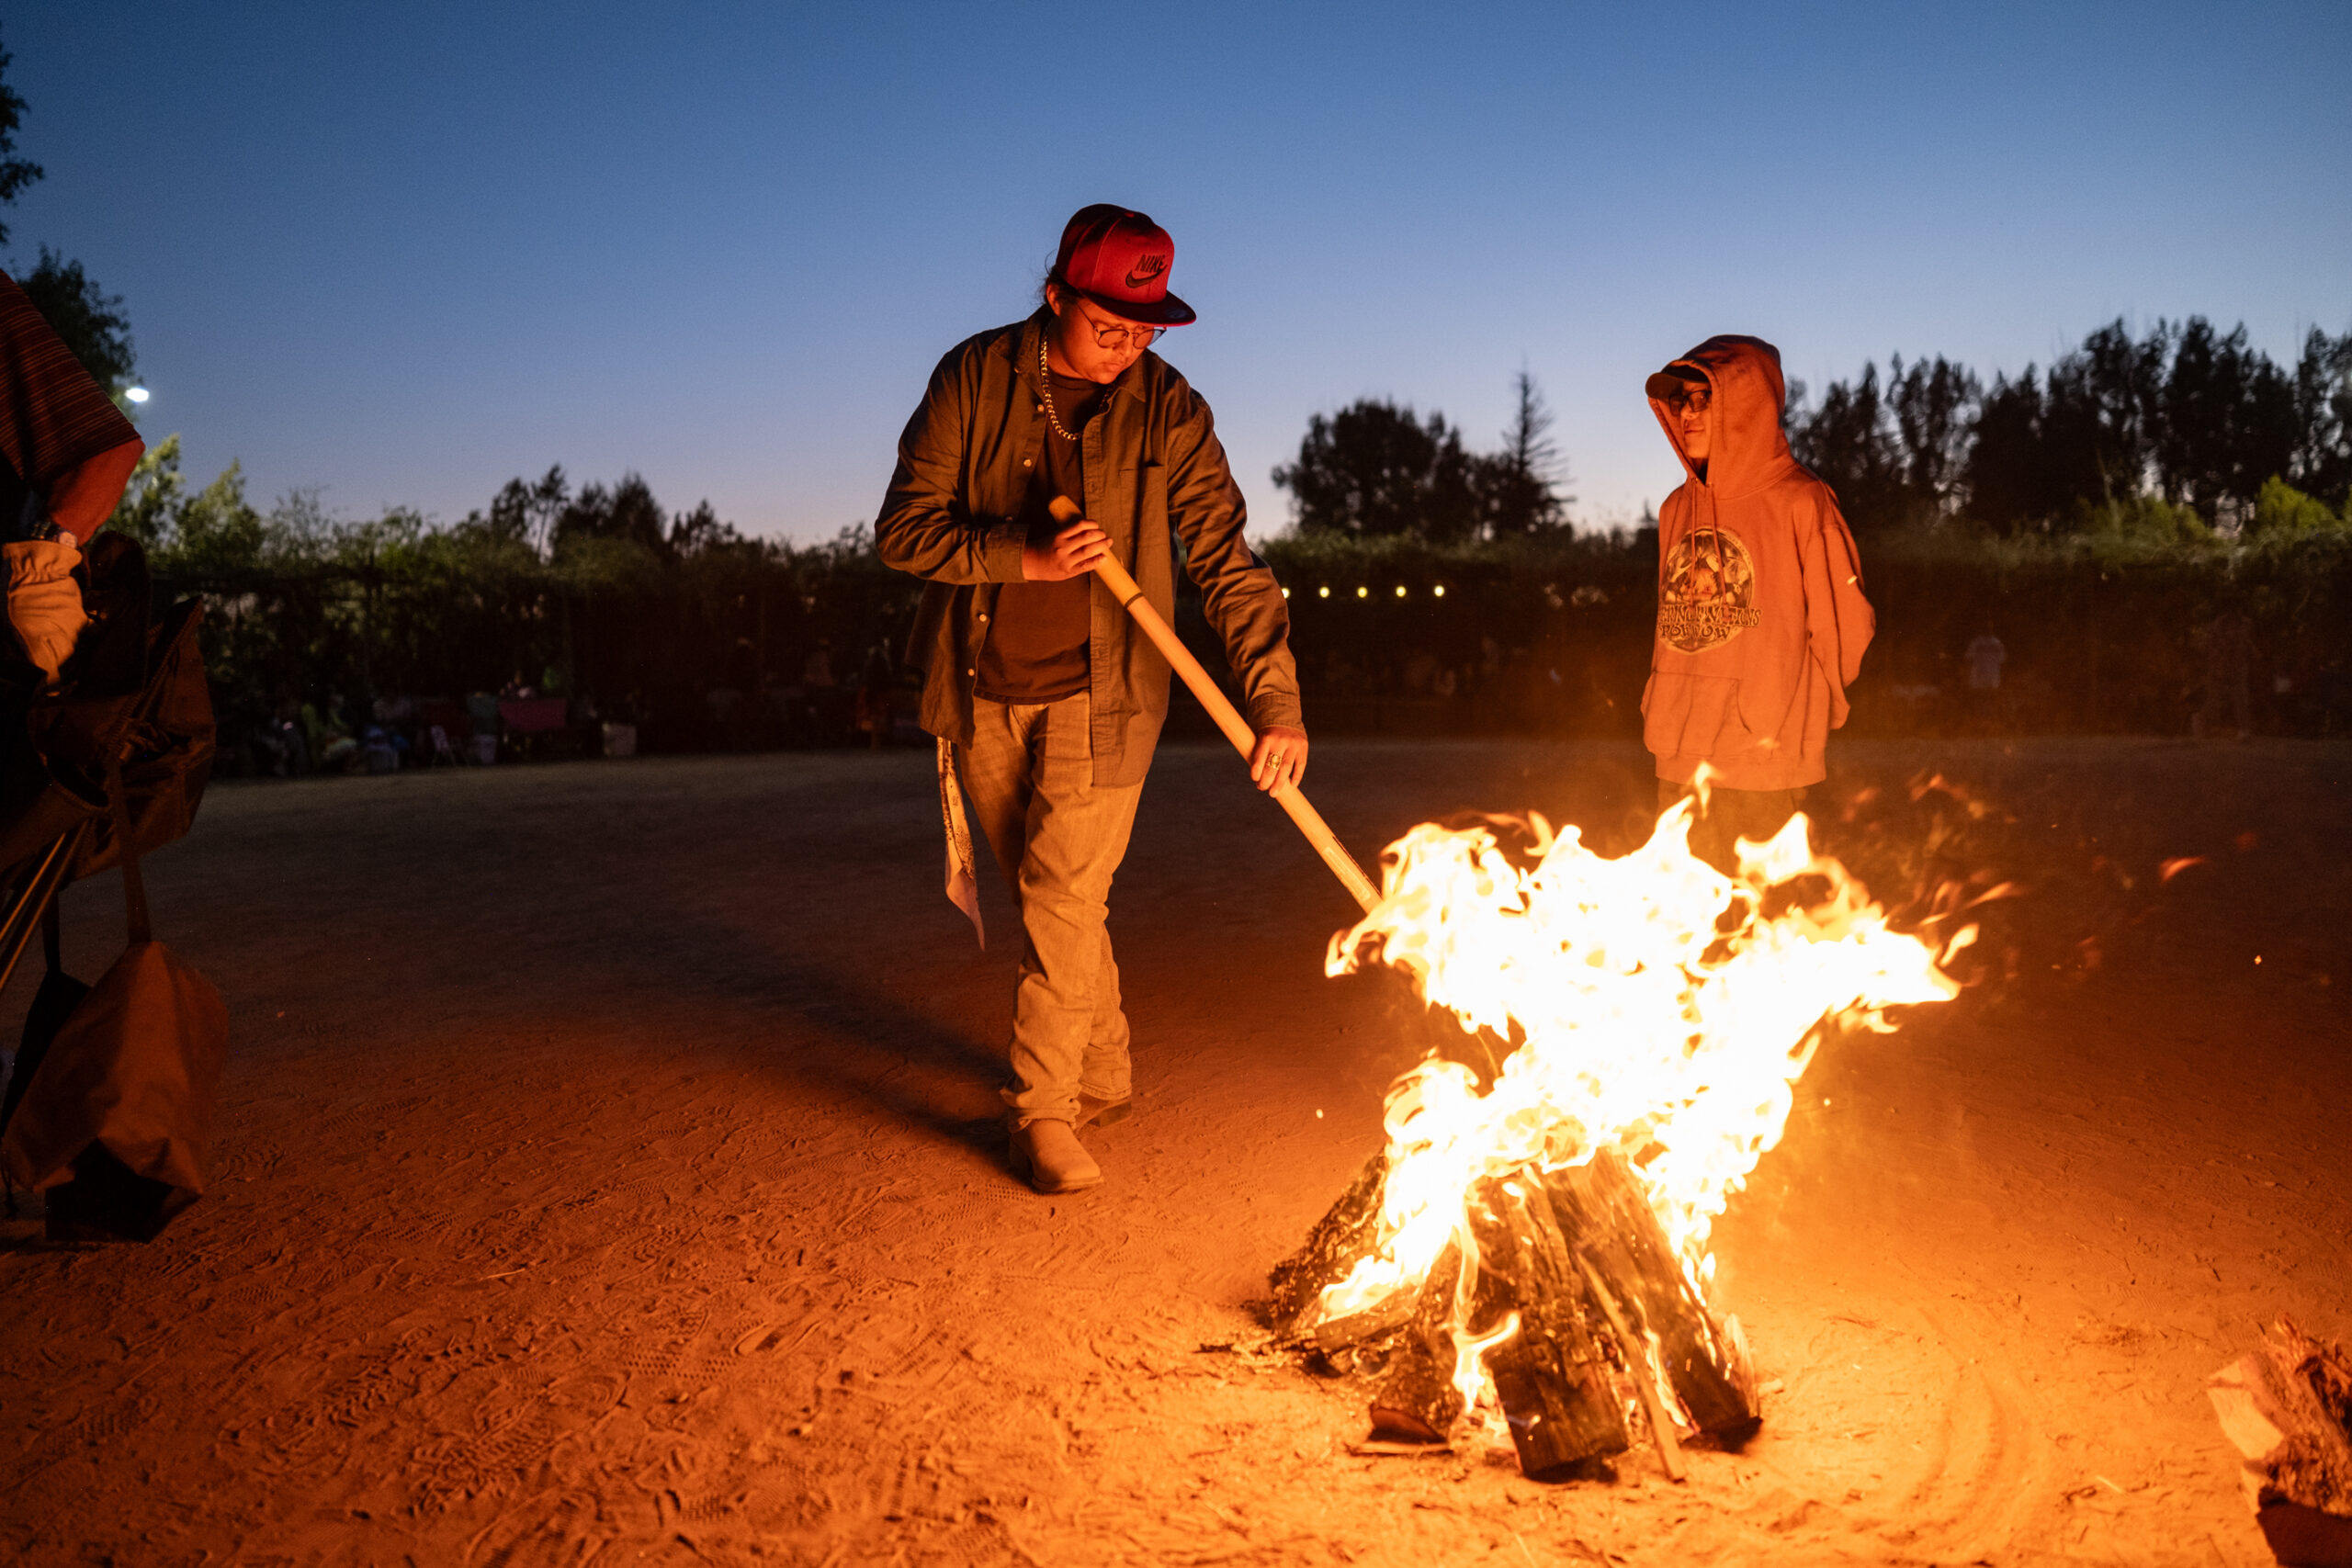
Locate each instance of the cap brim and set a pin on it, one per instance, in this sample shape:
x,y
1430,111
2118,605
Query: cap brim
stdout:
x,y
1672,379
1165,311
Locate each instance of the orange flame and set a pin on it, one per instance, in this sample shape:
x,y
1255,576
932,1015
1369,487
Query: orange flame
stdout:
x,y
1653,1007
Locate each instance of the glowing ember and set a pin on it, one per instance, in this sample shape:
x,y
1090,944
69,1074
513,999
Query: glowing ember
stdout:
x,y
1656,1006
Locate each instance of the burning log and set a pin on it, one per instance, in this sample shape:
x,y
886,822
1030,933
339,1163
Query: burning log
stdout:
x,y
1575,1253
1550,1376
1418,1400
1345,1233
1670,1447
1611,1000
2287,1408
1385,1317
1618,1232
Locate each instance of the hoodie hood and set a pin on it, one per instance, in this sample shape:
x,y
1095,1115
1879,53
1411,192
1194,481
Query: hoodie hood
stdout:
x,y
1747,448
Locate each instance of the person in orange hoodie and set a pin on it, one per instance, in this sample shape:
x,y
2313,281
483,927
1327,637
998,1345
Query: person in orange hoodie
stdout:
x,y
1761,621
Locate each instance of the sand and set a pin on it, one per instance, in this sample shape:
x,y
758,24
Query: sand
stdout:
x,y
608,1172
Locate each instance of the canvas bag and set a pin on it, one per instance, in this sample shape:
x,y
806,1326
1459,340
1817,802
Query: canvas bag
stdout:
x,y
117,1121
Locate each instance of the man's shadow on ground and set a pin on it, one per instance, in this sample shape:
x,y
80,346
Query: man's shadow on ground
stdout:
x,y
865,1035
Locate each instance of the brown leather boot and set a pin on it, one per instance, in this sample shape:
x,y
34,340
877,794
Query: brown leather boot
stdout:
x,y
1051,1159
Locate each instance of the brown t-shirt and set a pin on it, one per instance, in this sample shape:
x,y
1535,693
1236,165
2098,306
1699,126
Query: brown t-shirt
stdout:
x,y
1037,646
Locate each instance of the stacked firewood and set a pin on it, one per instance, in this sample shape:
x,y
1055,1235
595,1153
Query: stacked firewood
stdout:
x,y
1605,1314
2288,1406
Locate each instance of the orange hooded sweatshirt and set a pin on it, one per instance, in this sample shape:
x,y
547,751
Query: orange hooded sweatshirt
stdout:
x,y
1761,621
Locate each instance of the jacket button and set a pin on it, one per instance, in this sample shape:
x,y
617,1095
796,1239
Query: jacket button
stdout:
x,y
1028,462
984,614
971,672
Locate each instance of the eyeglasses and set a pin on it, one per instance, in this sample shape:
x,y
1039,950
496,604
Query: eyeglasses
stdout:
x,y
1695,400
1117,335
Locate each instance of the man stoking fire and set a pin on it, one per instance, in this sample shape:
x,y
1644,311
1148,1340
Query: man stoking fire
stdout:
x,y
1046,700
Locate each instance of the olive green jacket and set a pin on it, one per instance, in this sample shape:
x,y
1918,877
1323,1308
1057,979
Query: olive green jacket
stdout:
x,y
1153,467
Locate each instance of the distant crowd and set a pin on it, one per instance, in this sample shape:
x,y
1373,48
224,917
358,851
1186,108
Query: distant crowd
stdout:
x,y
333,733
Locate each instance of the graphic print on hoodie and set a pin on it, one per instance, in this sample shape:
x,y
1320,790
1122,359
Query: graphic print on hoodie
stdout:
x,y
1706,590
1761,621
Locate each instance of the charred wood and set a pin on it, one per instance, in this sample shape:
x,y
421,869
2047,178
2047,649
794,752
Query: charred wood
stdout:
x,y
1601,1208
1630,1350
1339,1239
1549,1377
1383,1317
1417,1401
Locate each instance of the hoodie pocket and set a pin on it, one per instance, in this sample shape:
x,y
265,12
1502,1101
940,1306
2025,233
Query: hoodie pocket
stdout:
x,y
1693,715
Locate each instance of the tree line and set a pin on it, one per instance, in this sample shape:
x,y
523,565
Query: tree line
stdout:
x,y
674,621
2184,414
1376,470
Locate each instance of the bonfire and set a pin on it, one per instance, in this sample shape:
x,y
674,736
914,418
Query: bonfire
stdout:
x,y
1531,1246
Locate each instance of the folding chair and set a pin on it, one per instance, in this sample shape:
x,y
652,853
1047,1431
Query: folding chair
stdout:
x,y
120,752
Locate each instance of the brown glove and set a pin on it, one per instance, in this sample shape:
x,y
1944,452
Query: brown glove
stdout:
x,y
44,602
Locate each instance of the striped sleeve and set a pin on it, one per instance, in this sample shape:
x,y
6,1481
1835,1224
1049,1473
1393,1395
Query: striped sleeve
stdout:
x,y
54,417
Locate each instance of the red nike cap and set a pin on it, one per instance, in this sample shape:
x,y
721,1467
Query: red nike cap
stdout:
x,y
1120,260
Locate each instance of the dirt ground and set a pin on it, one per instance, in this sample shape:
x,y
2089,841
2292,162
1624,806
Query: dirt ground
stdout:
x,y
608,1171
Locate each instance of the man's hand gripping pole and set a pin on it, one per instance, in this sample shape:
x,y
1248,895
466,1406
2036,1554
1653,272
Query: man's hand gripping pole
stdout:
x,y
1237,729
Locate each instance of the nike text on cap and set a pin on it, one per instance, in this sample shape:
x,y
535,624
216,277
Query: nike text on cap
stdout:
x,y
1120,260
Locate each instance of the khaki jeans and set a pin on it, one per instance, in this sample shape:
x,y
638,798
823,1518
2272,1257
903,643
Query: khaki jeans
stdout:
x,y
1059,837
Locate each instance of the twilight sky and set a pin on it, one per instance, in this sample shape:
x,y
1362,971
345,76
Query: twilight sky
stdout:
x,y
402,253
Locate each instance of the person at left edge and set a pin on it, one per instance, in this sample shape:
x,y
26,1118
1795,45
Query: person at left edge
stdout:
x,y
65,453
1035,679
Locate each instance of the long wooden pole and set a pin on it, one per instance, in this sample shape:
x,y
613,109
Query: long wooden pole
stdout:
x,y
1237,728
24,916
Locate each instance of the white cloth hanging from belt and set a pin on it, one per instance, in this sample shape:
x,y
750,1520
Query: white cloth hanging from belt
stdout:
x,y
963,886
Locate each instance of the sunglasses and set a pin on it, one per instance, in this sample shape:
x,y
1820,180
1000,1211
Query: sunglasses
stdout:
x,y
1694,400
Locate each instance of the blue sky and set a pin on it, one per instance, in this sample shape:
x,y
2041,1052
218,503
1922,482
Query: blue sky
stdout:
x,y
402,252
